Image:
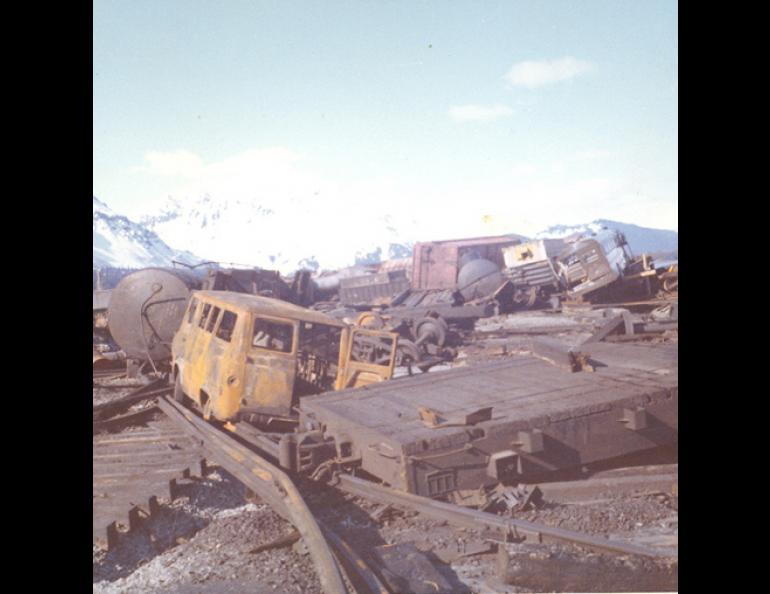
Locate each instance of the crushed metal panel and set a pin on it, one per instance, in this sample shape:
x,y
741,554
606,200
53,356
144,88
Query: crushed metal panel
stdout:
x,y
595,262
373,288
532,251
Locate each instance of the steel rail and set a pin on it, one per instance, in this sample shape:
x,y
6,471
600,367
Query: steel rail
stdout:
x,y
122,420
469,518
269,482
108,374
354,564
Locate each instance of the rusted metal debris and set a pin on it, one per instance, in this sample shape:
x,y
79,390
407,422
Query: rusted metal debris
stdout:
x,y
408,570
512,499
546,571
505,528
112,407
120,421
106,361
373,289
499,498
460,549
621,325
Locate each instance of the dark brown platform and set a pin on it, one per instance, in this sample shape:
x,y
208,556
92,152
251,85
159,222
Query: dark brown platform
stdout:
x,y
543,418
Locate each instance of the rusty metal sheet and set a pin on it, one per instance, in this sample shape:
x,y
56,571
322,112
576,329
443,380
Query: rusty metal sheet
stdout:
x,y
373,288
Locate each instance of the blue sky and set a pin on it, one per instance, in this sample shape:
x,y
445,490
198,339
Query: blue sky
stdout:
x,y
518,114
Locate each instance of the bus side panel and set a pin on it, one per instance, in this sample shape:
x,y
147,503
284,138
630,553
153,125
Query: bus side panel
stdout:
x,y
228,372
269,378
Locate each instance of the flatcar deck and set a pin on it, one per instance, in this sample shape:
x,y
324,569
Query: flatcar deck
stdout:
x,y
543,418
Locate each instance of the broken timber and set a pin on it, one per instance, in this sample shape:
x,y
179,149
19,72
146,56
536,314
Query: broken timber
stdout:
x,y
560,354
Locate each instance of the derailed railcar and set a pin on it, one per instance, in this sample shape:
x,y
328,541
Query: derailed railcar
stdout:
x,y
594,263
516,420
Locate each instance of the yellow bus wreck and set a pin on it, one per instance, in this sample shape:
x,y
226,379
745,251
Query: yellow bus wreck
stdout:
x,y
239,356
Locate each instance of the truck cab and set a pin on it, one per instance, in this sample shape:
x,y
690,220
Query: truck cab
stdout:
x,y
243,356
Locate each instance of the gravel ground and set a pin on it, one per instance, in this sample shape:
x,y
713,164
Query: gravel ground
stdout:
x,y
202,543
109,390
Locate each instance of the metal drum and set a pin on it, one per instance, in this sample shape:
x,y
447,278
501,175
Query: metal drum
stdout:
x,y
146,309
479,278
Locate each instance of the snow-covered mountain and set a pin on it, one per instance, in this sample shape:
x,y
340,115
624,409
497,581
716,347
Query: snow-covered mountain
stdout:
x,y
293,235
288,236
640,239
302,233
122,243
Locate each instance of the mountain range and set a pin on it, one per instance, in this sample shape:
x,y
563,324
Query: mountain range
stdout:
x,y
239,233
642,240
122,243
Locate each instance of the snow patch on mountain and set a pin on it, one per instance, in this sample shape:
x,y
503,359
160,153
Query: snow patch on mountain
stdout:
x,y
121,243
640,239
288,236
564,231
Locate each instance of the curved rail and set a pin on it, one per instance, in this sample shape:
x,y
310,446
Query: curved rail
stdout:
x,y
269,482
468,518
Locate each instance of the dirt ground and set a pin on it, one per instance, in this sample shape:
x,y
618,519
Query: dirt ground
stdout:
x,y
202,542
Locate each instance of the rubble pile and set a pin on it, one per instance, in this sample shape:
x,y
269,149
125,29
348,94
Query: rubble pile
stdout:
x,y
546,307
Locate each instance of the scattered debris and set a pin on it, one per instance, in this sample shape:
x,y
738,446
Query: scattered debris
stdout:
x,y
443,443
408,570
542,570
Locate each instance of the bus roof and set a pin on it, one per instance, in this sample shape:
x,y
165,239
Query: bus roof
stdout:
x,y
266,306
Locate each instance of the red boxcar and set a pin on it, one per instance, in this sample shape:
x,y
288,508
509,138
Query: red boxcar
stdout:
x,y
436,263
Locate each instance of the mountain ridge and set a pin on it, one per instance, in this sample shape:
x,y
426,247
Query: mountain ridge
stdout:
x,y
256,235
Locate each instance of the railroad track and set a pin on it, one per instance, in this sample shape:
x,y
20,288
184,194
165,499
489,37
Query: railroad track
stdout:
x,y
108,374
277,489
131,470
114,406
201,439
